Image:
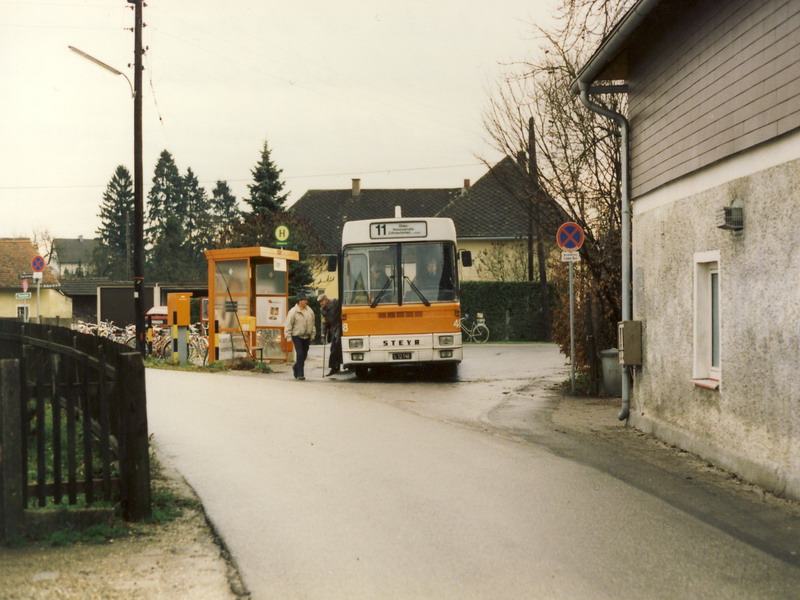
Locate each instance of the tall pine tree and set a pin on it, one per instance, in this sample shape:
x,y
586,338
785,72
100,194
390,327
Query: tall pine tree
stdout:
x,y
199,224
112,256
223,205
164,198
166,234
225,211
265,191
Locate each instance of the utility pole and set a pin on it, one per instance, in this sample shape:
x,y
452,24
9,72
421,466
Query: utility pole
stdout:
x,y
138,182
544,293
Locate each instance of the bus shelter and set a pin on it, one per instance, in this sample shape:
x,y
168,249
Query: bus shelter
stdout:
x,y
248,294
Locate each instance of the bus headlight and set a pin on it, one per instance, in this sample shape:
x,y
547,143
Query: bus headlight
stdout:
x,y
446,353
357,356
356,344
446,340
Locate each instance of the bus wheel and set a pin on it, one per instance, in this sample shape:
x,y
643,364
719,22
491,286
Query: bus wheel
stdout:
x,y
448,371
362,372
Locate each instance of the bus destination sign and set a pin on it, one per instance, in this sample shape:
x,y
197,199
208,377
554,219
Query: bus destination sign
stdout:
x,y
394,230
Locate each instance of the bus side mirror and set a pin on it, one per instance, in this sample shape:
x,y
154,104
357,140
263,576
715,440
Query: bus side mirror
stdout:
x,y
466,258
332,262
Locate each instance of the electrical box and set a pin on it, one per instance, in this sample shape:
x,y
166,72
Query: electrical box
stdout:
x,y
178,308
629,341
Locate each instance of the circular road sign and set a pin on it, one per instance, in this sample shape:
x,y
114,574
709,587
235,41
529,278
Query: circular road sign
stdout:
x,y
37,264
570,237
281,235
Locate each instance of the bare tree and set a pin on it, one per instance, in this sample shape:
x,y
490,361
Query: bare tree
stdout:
x,y
572,166
43,241
502,262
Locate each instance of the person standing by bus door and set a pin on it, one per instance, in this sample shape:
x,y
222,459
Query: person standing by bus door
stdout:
x,y
301,328
332,311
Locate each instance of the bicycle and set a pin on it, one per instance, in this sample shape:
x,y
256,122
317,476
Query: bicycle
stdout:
x,y
476,332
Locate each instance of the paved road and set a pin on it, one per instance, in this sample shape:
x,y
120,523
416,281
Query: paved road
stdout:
x,y
337,488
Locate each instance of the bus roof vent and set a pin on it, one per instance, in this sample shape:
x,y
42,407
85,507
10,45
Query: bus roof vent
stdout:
x,y
398,212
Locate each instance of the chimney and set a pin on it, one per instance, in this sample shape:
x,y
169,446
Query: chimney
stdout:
x,y
80,238
466,184
356,188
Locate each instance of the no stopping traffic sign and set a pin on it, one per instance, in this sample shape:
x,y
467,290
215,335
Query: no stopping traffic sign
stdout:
x,y
37,264
570,237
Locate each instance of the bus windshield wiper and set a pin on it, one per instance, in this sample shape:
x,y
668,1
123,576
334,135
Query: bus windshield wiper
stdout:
x,y
416,289
382,292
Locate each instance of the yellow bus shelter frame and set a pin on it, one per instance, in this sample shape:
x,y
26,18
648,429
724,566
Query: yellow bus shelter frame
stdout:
x,y
237,289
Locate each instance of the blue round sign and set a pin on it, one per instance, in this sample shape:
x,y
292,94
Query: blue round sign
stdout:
x,y
570,237
37,264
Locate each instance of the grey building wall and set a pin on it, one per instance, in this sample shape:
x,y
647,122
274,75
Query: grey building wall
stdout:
x,y
723,77
751,425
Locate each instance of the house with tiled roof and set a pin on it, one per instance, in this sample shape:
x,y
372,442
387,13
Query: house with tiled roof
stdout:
x,y
492,220
73,256
16,258
490,216
328,210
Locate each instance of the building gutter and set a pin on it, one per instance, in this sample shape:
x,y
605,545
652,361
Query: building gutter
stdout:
x,y
581,87
625,214
613,43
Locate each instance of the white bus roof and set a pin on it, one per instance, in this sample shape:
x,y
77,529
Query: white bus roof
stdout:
x,y
405,229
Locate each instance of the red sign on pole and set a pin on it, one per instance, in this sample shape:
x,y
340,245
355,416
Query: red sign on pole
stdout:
x,y
24,285
570,237
37,264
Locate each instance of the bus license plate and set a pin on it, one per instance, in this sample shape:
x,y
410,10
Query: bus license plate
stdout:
x,y
401,356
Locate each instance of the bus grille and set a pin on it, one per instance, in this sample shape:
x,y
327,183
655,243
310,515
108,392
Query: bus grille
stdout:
x,y
400,314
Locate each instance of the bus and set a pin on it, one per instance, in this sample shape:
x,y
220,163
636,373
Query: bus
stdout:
x,y
400,294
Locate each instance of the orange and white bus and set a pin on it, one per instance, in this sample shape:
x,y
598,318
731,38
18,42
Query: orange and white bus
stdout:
x,y
400,294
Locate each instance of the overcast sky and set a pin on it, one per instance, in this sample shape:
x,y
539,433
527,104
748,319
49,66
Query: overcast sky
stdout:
x,y
390,92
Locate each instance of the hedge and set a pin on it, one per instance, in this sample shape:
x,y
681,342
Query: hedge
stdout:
x,y
512,309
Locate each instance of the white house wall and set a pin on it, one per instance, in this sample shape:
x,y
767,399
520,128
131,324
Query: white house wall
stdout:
x,y
751,424
52,304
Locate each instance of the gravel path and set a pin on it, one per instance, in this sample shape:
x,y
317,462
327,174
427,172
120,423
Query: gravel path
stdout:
x,y
177,559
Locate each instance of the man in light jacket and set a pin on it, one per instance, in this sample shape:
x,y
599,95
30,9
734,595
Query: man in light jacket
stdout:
x,y
301,328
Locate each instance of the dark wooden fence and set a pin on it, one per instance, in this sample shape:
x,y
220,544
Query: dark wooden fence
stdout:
x,y
75,406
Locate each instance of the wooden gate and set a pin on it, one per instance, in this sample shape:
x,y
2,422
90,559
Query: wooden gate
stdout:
x,y
81,417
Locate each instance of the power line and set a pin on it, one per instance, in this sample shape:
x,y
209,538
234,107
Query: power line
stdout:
x,y
384,171
342,174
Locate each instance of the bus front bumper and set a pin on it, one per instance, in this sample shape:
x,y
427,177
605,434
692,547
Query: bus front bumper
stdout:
x,y
399,350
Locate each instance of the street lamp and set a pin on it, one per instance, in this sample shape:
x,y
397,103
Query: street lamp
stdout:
x,y
138,172
100,63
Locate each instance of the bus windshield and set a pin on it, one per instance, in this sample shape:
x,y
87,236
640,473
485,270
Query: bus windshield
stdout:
x,y
401,273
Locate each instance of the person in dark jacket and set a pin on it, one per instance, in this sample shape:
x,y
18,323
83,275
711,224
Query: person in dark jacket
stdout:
x,y
331,309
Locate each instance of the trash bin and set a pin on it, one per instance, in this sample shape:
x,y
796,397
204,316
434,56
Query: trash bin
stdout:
x,y
612,372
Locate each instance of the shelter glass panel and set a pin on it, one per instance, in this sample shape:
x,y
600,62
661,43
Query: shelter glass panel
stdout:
x,y
231,277
270,281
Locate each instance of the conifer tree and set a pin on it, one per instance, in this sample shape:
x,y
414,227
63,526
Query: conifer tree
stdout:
x,y
223,204
166,233
265,191
199,223
113,253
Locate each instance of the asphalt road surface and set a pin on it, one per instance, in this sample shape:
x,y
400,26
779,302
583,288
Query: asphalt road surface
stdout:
x,y
405,487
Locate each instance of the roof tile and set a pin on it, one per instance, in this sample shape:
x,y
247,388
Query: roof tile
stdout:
x,y
16,256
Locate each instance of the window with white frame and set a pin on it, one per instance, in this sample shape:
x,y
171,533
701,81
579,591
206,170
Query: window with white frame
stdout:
x,y
23,312
707,370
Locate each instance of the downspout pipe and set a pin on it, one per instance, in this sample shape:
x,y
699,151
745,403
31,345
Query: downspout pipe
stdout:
x,y
626,228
